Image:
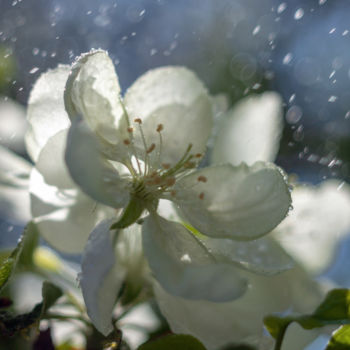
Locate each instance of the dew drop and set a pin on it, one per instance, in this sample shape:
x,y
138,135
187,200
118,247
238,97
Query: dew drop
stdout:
x,y
287,58
345,32
332,98
35,51
299,13
281,7
294,114
298,134
340,186
347,115
33,70
321,2
256,30
332,30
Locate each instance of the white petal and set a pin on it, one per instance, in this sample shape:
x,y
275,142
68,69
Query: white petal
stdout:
x,y
90,170
14,196
130,254
13,124
64,217
51,163
240,202
101,277
262,256
46,114
184,267
251,131
316,225
175,98
93,92
240,321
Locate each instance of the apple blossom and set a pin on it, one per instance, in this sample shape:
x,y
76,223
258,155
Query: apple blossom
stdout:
x,y
133,152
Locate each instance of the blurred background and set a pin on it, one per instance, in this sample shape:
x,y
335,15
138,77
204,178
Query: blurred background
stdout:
x,y
299,48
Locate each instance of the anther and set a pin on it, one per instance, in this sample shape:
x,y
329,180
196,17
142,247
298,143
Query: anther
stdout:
x,y
158,180
138,120
198,155
201,195
166,166
160,127
170,181
202,178
173,193
151,148
126,142
130,129
189,165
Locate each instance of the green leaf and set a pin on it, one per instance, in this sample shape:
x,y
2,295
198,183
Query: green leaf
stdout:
x,y
10,324
336,306
25,247
335,309
340,339
30,243
174,342
50,294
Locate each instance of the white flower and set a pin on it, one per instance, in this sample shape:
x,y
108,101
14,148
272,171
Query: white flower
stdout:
x,y
130,153
310,233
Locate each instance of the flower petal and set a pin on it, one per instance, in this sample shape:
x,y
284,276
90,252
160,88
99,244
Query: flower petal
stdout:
x,y
316,225
251,131
46,114
263,256
64,217
93,173
184,267
240,202
175,98
14,196
51,163
101,277
239,321
13,124
93,92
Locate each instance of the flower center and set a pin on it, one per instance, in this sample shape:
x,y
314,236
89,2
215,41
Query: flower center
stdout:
x,y
151,179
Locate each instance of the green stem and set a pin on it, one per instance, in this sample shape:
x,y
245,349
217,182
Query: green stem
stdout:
x,y
66,318
279,340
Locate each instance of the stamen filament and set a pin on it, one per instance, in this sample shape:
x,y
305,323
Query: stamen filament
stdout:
x,y
147,162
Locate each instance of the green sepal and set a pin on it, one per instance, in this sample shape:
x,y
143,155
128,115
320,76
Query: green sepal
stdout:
x,y
131,213
340,339
174,342
22,254
334,310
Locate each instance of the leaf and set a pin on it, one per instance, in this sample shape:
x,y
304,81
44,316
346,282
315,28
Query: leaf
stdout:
x,y
9,325
174,342
25,246
30,243
336,306
335,309
8,265
340,339
50,294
